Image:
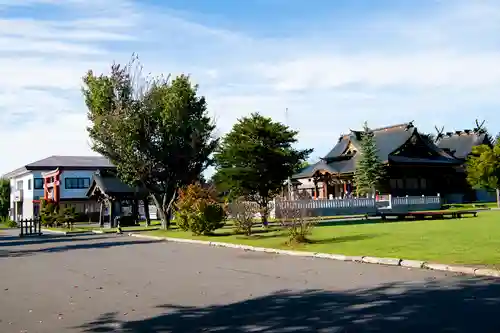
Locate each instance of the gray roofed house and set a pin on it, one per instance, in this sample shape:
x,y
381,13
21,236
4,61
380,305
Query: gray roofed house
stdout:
x,y
61,179
66,162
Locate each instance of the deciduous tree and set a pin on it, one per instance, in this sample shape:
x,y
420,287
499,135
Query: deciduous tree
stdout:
x,y
483,167
256,158
155,130
4,197
369,169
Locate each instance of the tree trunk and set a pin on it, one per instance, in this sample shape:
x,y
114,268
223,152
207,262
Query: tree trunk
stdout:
x,y
498,198
264,212
145,203
316,190
101,215
135,211
110,210
163,209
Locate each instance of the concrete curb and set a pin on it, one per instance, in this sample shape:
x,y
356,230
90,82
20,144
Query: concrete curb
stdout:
x,y
484,272
66,233
412,263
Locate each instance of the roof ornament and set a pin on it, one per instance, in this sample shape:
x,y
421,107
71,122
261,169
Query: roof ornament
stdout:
x,y
479,129
409,125
357,134
439,132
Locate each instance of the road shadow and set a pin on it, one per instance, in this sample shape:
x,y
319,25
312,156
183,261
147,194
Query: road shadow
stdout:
x,y
72,247
470,306
7,241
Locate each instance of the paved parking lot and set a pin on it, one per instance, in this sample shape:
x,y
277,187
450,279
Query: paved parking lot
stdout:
x,y
112,283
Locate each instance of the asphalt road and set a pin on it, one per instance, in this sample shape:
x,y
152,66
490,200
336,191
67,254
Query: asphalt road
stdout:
x,y
111,283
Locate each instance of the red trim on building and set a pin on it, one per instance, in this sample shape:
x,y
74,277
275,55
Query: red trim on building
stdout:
x,y
52,180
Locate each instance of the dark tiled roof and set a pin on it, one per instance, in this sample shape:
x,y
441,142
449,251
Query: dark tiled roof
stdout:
x,y
413,160
72,161
56,161
339,148
388,140
311,169
110,185
460,145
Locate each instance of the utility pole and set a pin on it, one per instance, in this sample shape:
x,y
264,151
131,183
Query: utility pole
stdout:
x,y
290,189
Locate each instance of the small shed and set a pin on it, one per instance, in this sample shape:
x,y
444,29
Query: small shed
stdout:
x,y
112,193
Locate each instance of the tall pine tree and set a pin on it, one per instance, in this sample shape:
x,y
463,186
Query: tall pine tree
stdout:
x,y
369,169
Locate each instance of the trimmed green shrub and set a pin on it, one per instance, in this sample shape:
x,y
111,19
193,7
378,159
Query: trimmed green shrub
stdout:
x,y
65,217
6,221
48,213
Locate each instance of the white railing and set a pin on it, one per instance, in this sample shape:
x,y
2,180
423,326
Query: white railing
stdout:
x,y
414,200
359,205
324,204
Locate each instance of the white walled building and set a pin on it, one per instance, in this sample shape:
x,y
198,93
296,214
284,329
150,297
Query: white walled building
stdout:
x,y
63,179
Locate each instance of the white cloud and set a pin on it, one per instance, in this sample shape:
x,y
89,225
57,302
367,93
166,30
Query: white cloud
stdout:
x,y
378,70
435,69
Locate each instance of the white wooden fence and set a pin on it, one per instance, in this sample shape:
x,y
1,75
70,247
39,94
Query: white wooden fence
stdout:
x,y
353,206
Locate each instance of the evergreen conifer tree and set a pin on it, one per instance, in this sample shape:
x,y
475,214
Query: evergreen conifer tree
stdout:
x,y
369,169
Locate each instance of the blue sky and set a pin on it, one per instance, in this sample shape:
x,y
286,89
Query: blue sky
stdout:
x,y
333,64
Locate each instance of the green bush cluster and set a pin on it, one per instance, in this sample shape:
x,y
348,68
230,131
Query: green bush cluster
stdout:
x,y
52,216
6,221
198,211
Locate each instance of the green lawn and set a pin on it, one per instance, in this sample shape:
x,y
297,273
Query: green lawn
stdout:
x,y
471,205
462,241
130,229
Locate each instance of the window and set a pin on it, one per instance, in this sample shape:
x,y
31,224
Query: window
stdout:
x,y
423,183
38,183
29,184
77,183
19,185
412,183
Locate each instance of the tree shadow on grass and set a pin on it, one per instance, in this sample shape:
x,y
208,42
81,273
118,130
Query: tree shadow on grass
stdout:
x,y
467,305
376,220
254,232
278,233
343,239
331,223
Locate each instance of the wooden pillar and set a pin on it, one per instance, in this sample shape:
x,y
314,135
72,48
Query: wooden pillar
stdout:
x,y
135,210
145,202
110,211
101,214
